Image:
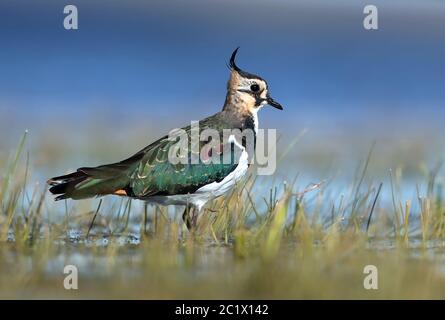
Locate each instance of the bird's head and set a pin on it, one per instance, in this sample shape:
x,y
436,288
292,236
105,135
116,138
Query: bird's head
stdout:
x,y
247,92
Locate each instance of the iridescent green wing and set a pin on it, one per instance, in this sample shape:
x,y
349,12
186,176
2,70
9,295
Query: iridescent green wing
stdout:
x,y
200,164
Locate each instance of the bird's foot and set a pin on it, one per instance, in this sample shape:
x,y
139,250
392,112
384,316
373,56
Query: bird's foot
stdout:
x,y
190,218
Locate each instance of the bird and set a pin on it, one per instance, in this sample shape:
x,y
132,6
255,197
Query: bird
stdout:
x,y
151,176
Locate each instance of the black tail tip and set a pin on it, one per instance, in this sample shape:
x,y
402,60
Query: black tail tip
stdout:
x,y
65,184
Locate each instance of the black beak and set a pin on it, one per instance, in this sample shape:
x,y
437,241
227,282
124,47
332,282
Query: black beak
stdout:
x,y
273,103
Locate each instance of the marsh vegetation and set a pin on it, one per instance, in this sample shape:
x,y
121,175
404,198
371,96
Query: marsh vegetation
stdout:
x,y
272,237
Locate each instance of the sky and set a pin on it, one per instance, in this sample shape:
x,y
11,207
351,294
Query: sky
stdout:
x,y
150,60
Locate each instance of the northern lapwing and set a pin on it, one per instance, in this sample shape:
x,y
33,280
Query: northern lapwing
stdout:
x,y
150,174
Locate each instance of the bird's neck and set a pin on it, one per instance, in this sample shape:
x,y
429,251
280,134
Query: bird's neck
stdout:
x,y
243,108
239,102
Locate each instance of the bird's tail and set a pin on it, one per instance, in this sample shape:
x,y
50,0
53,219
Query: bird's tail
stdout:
x,y
92,182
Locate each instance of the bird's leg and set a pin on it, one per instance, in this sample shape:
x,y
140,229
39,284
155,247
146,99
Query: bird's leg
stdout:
x,y
187,218
190,216
195,218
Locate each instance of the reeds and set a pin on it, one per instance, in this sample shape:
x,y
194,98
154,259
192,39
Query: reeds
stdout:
x,y
257,242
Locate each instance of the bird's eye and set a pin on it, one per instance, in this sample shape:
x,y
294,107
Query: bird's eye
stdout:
x,y
254,87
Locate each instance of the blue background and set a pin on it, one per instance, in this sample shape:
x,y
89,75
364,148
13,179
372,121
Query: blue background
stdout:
x,y
169,58
135,69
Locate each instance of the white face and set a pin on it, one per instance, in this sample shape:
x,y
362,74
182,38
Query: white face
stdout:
x,y
253,91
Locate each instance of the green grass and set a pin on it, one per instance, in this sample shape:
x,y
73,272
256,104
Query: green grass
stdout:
x,y
288,241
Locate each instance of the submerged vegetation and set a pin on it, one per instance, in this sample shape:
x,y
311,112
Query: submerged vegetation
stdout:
x,y
261,241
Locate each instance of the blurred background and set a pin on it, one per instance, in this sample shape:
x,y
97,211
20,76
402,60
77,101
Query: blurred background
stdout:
x,y
135,69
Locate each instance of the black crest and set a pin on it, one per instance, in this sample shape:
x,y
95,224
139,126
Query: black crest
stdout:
x,y
232,61
242,73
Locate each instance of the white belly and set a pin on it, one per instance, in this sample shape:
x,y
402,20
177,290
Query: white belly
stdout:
x,y
209,191
217,189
